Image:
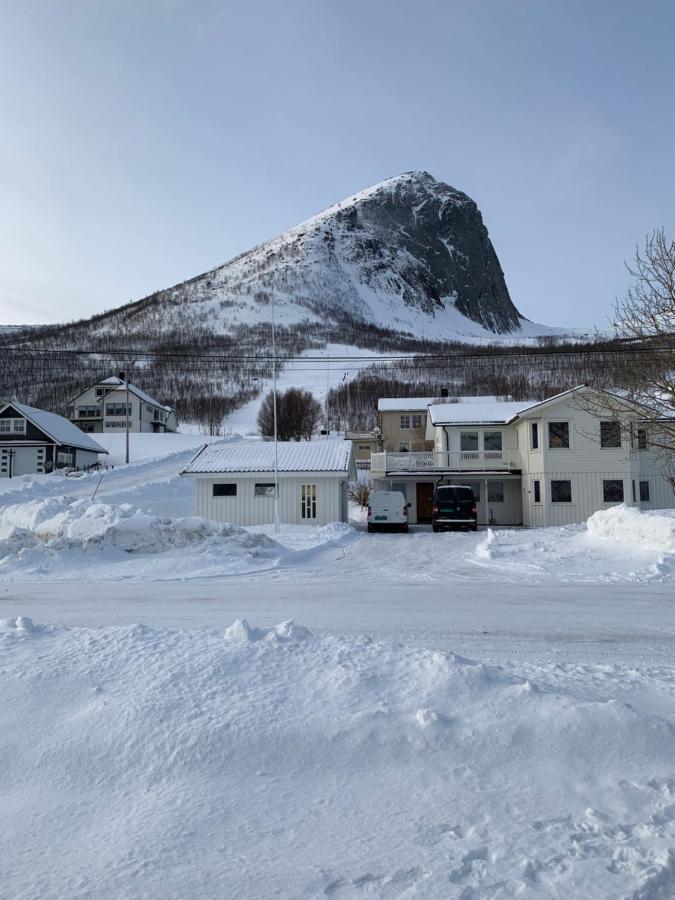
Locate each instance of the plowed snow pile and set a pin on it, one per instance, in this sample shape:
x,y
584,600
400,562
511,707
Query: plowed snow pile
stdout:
x,y
62,537
651,529
258,762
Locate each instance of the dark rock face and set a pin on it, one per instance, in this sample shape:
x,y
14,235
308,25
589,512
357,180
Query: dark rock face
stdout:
x,y
428,240
410,255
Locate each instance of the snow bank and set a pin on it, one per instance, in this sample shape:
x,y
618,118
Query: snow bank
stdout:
x,y
650,529
48,536
261,762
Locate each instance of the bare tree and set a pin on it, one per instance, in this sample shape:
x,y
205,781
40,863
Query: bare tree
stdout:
x,y
645,404
298,413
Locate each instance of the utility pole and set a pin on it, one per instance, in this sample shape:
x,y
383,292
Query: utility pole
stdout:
x,y
276,448
123,377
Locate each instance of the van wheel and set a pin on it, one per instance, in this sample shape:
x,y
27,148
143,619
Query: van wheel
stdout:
x,y
404,529
474,528
370,529
435,529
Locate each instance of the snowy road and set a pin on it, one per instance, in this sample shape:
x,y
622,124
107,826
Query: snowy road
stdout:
x,y
491,622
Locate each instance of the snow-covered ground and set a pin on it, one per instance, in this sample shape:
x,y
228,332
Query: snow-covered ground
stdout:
x,y
315,372
485,715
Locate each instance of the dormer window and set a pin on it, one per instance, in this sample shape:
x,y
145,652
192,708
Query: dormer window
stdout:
x,y
19,426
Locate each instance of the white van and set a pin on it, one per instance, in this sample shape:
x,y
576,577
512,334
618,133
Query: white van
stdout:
x,y
387,509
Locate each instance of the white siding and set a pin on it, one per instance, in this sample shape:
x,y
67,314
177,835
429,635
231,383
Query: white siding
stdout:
x,y
247,509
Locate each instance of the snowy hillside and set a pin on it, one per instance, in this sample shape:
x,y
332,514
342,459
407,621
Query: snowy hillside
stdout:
x,y
410,254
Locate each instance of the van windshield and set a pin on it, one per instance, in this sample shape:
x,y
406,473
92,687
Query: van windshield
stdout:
x,y
454,494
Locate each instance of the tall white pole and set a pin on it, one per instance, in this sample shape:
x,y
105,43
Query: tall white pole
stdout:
x,y
126,380
276,448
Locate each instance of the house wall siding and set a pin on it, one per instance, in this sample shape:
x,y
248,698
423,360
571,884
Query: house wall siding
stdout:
x,y
393,434
247,509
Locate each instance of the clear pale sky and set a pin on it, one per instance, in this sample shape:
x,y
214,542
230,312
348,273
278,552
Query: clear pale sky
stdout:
x,y
142,143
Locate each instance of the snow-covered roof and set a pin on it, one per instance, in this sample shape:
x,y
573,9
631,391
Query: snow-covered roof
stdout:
x,y
258,456
57,427
133,389
490,411
476,413
415,404
404,404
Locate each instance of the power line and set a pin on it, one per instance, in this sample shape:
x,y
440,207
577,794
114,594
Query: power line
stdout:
x,y
503,356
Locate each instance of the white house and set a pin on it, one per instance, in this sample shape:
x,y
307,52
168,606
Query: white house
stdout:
x,y
34,441
529,462
235,481
102,408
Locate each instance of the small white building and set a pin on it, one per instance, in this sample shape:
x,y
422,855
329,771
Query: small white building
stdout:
x,y
535,463
102,408
235,481
34,441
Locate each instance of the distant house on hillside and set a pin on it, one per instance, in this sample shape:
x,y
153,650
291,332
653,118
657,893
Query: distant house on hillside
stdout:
x,y
235,481
33,441
534,463
102,408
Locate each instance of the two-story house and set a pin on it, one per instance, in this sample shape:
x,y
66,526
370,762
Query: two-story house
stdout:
x,y
532,463
403,423
102,408
34,441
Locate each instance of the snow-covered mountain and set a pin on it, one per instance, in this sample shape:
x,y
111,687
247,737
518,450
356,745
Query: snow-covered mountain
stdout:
x,y
410,254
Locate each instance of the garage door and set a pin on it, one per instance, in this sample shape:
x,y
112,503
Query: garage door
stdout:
x,y
26,461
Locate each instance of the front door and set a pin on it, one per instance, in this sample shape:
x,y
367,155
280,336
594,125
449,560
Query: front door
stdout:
x,y
425,493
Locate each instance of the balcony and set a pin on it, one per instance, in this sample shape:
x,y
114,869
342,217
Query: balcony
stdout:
x,y
442,461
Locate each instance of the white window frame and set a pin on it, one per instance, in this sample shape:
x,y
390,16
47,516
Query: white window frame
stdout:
x,y
416,420
308,505
404,447
404,422
19,426
548,438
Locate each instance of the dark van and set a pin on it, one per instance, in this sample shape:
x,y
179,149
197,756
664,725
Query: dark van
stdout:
x,y
454,506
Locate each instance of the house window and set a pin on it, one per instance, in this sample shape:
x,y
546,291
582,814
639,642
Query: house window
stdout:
x,y
537,491
534,434
612,490
265,489
403,446
225,490
633,489
5,425
364,446
100,392
117,409
405,422
495,491
561,491
308,501
559,435
468,441
417,421
644,491
642,439
20,426
610,434
492,442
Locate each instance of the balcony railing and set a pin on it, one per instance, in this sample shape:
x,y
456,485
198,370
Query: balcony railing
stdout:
x,y
435,460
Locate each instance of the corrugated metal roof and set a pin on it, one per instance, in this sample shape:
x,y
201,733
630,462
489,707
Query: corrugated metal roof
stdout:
x,y
58,428
258,456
